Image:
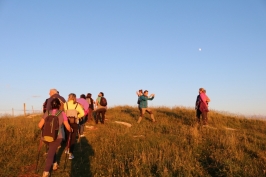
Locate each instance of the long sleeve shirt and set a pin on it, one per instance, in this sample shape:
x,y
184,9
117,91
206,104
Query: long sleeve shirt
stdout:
x,y
144,101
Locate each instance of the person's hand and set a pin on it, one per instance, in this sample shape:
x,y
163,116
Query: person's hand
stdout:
x,y
153,95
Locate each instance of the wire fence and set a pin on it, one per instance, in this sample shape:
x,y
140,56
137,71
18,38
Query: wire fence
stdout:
x,y
17,112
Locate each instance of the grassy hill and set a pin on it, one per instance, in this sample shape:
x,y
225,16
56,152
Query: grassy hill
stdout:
x,y
173,146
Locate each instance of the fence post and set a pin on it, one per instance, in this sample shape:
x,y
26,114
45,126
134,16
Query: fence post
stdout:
x,y
24,109
13,112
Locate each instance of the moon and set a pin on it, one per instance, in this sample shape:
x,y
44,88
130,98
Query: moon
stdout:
x,y
199,49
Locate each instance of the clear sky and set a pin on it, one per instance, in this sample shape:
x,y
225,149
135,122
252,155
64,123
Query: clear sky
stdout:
x,y
119,46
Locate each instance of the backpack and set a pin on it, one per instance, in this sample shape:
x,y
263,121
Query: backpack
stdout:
x,y
103,101
72,114
51,127
138,101
90,102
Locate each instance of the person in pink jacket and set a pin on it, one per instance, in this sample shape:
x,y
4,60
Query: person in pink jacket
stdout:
x,y
202,106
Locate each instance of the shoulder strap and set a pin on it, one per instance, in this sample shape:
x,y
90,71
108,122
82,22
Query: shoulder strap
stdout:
x,y
67,105
76,106
48,113
59,112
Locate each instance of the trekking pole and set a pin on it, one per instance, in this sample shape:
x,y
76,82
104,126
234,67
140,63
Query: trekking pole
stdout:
x,y
38,156
67,149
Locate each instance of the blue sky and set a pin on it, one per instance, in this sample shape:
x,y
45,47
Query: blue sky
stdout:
x,y
118,47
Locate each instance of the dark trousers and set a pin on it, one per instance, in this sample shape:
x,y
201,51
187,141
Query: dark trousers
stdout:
x,y
73,134
90,115
100,115
198,114
51,154
204,116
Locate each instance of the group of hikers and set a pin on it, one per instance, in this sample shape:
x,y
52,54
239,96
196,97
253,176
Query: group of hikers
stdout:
x,y
65,120
201,105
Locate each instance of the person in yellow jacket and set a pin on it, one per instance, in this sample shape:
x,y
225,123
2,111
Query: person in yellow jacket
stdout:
x,y
71,106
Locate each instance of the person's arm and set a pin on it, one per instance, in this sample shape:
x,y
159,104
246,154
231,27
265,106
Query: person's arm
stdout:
x,y
41,123
65,106
207,99
96,103
151,98
137,93
144,98
65,122
80,111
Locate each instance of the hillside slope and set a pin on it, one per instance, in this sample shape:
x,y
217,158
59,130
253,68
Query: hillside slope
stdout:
x,y
173,146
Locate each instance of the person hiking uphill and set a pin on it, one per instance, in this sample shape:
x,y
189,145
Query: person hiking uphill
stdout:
x,y
85,105
101,104
144,105
55,94
139,93
91,106
74,112
51,155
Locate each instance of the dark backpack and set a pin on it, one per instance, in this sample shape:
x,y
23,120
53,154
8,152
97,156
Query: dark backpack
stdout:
x,y
138,101
90,102
103,101
51,127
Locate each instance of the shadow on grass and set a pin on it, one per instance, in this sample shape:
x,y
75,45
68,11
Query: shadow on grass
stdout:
x,y
183,117
134,113
80,165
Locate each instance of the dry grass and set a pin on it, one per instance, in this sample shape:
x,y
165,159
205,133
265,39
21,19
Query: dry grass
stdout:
x,y
174,146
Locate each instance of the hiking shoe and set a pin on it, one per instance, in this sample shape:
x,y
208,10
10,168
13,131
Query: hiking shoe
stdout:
x,y
45,174
55,166
70,156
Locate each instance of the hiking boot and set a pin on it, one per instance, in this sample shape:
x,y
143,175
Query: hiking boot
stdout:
x,y
70,156
45,174
55,166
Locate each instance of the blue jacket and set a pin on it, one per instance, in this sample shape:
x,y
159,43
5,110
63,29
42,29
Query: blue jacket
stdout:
x,y
144,101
